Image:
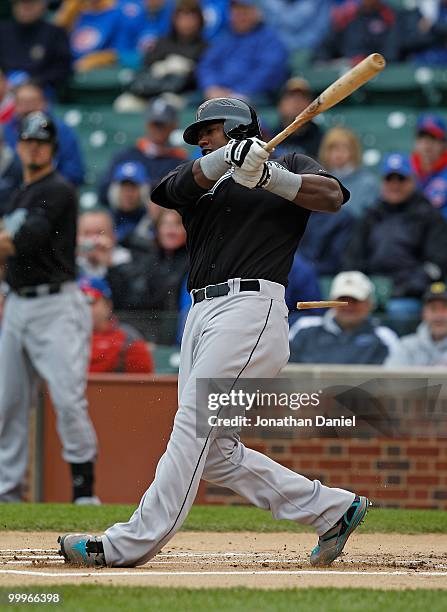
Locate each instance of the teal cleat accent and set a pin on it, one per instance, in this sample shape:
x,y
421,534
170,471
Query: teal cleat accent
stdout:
x,y
82,549
330,544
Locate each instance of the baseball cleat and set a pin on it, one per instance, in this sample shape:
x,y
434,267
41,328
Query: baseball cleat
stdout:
x,y
330,544
82,549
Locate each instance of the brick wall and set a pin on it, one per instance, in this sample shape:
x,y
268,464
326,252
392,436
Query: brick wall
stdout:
x,y
407,473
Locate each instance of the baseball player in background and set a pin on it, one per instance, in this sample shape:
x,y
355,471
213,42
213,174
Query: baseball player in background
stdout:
x,y
244,216
47,322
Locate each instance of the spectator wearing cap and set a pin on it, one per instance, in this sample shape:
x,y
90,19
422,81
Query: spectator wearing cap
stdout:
x,y
345,334
28,43
154,150
115,347
30,97
247,61
10,173
7,102
129,198
401,237
428,346
295,97
301,24
429,159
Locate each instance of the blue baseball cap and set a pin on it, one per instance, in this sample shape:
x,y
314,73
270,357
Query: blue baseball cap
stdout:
x,y
434,125
134,172
396,163
95,287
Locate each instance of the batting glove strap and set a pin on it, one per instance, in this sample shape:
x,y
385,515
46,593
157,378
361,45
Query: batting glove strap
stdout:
x,y
278,180
214,165
248,154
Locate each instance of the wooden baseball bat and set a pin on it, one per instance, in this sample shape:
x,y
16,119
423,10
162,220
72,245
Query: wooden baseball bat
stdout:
x,y
339,90
323,304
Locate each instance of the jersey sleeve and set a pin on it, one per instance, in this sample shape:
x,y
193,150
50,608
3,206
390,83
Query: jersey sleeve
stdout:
x,y
302,164
178,189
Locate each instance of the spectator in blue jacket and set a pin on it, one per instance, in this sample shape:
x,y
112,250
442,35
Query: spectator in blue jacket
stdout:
x,y
345,334
215,13
301,24
29,44
30,97
129,198
369,27
248,61
150,22
432,32
98,35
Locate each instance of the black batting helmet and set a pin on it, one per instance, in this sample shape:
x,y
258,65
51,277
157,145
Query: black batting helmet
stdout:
x,y
38,126
239,119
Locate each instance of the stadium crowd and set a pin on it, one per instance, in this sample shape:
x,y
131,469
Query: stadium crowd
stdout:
x,y
390,239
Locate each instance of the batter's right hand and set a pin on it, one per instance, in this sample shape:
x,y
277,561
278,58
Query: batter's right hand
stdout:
x,y
248,154
247,178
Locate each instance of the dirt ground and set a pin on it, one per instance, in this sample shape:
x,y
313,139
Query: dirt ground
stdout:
x,y
274,560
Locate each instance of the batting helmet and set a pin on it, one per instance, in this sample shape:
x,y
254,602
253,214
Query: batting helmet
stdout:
x,y
239,119
38,126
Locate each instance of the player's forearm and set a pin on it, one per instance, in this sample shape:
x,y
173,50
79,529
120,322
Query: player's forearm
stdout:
x,y
312,191
319,193
208,169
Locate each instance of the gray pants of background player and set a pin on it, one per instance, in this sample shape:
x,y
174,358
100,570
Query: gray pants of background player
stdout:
x,y
49,337
241,335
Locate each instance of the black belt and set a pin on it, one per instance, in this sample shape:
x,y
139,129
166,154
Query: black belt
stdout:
x,y
39,290
211,291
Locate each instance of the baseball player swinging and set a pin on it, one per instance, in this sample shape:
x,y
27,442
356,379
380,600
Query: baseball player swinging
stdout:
x,y
244,216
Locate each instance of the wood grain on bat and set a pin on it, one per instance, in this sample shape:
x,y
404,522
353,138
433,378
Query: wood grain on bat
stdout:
x,y
337,91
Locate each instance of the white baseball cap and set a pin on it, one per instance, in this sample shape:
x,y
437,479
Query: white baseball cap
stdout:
x,y
351,284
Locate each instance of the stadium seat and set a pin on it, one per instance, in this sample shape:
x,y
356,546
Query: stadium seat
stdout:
x,y
102,85
167,359
421,86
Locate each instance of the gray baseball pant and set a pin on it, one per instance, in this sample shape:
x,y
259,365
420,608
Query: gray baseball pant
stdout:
x,y
49,337
240,335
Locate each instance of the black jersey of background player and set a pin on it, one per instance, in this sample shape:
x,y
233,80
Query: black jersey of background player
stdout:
x,y
235,232
46,211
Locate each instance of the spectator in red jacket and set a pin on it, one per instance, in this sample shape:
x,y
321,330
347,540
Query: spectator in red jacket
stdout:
x,y
7,102
429,159
115,347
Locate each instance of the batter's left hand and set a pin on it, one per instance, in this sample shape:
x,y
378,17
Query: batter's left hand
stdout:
x,y
248,154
